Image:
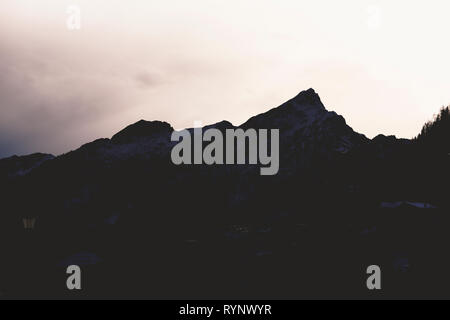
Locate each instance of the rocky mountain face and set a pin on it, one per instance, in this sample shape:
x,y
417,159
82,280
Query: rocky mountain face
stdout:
x,y
320,156
124,202
311,139
305,127
19,166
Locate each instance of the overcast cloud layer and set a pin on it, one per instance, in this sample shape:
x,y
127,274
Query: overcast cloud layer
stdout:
x,y
384,66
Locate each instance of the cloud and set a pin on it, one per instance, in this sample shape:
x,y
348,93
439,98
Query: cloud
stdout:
x,y
206,60
60,89
148,80
48,100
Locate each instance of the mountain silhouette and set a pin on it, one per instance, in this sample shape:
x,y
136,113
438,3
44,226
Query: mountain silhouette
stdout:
x,y
167,231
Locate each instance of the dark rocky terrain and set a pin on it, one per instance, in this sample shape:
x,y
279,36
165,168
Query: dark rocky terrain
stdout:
x,y
141,227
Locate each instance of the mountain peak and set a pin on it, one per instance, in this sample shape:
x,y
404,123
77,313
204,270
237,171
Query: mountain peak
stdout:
x,y
142,128
222,125
21,165
308,97
306,105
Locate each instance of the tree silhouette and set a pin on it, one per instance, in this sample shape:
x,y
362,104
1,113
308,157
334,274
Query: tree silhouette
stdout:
x,y
435,134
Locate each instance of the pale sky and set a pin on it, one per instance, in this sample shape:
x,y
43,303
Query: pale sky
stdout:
x,y
383,65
